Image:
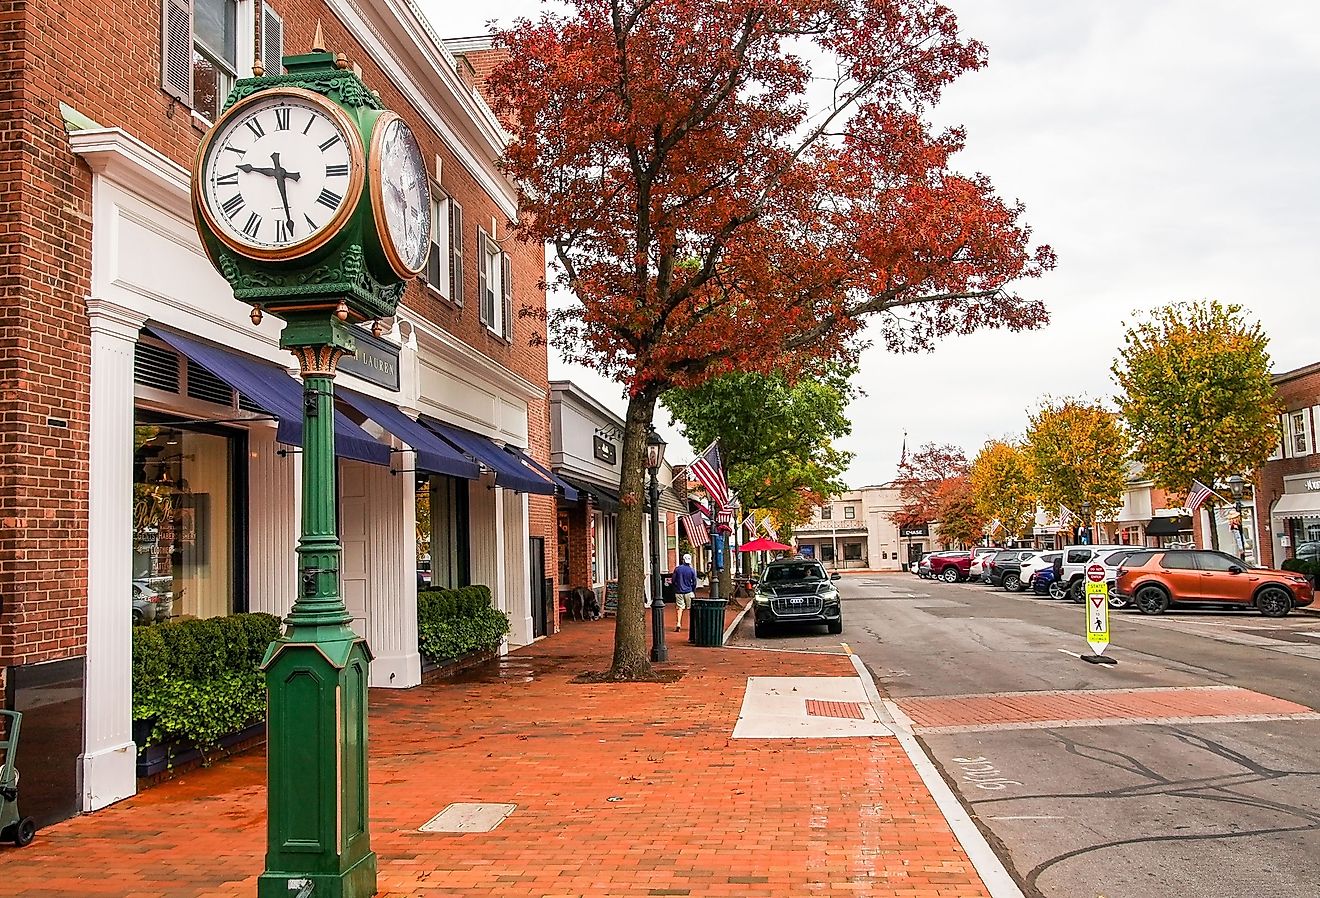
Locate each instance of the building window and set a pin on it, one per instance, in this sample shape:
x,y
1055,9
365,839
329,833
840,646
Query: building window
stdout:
x,y
1299,436
849,512
564,534
442,532
488,283
438,258
188,542
852,551
215,54
826,512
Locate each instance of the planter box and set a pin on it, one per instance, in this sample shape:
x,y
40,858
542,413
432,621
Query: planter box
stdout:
x,y
178,756
433,670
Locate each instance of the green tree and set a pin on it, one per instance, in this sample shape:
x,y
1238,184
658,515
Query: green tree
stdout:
x,y
1078,453
776,436
1001,486
1197,396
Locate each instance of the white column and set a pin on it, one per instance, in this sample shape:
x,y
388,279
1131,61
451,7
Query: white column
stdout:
x,y
499,582
517,570
274,518
108,764
392,586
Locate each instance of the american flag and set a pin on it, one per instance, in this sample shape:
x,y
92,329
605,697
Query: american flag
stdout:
x,y
709,472
1065,516
725,515
769,527
697,531
1197,496
993,526
749,523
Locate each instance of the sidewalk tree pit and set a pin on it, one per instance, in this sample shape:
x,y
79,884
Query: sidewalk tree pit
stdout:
x,y
312,200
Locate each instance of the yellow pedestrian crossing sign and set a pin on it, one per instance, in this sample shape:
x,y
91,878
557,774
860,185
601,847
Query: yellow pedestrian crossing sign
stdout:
x,y
1097,609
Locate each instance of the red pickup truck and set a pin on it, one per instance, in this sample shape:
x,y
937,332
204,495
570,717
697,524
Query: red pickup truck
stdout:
x,y
951,566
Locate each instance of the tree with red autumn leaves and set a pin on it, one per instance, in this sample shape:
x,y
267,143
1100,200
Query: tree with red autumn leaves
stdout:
x,y
961,522
713,206
921,477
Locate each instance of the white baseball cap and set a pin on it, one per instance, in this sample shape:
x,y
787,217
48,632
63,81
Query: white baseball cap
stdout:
x,y
687,559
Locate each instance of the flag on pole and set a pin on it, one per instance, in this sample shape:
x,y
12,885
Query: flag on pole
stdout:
x,y
1197,496
709,472
769,527
749,524
1065,517
993,526
695,525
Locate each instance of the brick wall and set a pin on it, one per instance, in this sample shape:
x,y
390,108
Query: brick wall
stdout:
x,y
1296,391
103,60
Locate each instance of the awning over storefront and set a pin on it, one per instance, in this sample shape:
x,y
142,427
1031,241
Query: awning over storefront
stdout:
x,y
1170,526
433,454
1297,505
606,499
510,473
274,391
569,493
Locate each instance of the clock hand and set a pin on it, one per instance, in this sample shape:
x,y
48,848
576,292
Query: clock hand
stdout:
x,y
249,169
281,176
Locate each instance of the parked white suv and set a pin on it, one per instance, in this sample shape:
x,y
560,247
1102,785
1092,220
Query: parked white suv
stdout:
x,y
1076,559
979,558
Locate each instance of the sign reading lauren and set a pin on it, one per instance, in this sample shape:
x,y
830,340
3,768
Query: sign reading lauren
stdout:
x,y
375,360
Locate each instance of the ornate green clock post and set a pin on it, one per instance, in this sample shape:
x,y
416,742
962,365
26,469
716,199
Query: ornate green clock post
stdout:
x,y
313,201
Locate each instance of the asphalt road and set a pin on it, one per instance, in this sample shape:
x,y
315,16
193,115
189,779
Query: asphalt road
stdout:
x,y
1214,808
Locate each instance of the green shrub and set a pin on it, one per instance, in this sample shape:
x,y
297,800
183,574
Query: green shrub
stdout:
x,y
1292,564
455,622
197,680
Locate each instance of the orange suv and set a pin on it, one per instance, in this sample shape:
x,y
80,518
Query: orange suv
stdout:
x,y
1155,579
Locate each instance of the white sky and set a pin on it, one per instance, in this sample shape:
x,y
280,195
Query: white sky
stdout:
x,y
1166,149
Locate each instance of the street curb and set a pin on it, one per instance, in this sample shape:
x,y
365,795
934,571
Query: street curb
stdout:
x,y
728,631
998,881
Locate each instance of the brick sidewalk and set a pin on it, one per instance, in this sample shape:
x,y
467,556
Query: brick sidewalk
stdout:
x,y
695,813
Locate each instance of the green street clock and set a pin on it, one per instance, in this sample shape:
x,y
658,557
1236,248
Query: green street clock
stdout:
x,y
307,192
313,201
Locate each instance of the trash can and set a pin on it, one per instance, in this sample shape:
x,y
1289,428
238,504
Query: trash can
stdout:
x,y
667,587
708,622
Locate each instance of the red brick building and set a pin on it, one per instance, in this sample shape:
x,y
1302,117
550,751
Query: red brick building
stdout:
x,y
1289,483
137,481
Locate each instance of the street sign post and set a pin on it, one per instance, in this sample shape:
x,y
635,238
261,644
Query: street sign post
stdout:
x,y
1097,614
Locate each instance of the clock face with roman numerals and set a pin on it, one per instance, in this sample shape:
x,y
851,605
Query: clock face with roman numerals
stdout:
x,y
281,172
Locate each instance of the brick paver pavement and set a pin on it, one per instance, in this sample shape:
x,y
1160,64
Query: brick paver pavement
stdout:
x,y
621,790
1094,705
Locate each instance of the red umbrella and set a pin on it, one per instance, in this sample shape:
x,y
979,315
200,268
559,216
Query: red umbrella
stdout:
x,y
764,545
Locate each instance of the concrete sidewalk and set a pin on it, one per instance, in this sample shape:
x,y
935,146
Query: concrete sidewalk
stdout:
x,y
620,790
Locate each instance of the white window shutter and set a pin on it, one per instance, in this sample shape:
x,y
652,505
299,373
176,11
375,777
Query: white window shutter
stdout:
x,y
1285,424
456,252
1310,430
1278,447
506,285
272,41
483,263
176,49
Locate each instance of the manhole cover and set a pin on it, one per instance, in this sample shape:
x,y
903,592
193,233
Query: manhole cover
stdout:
x,y
468,817
850,710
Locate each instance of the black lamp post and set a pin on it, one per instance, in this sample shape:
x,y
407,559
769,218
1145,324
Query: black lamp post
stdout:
x,y
1237,486
1086,522
655,456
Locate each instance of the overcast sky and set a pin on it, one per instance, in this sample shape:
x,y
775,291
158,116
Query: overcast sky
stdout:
x,y
1166,149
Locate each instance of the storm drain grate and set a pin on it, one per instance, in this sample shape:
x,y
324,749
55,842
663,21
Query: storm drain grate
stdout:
x,y
468,817
850,710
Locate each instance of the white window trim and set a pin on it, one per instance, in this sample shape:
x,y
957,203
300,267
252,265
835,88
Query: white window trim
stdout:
x,y
1304,433
492,264
245,23
439,241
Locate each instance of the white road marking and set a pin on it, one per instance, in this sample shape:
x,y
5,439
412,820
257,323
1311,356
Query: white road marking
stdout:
x,y
1113,722
1026,817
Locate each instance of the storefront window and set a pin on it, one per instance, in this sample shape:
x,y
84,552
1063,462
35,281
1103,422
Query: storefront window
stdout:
x,y
565,573
442,532
186,547
852,551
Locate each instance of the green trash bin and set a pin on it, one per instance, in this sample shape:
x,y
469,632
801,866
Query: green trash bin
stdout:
x,y
708,622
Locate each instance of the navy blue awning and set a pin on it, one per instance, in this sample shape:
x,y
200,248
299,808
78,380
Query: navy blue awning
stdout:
x,y
607,500
509,472
433,453
569,493
276,392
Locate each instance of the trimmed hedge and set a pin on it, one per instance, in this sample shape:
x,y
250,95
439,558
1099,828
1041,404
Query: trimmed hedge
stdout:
x,y
452,623
197,680
1309,568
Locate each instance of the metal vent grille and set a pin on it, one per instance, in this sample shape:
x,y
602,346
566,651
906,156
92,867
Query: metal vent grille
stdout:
x,y
155,367
204,385
248,405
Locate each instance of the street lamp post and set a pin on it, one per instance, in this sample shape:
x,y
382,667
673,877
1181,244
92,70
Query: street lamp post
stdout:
x,y
1236,487
655,456
1086,522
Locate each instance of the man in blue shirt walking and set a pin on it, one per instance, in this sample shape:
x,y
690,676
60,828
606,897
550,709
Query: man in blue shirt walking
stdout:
x,y
685,587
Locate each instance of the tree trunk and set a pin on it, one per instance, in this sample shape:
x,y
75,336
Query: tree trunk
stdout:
x,y
632,659
1214,528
